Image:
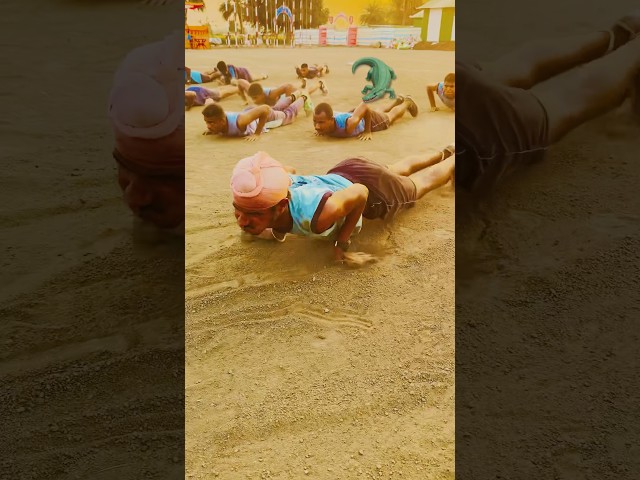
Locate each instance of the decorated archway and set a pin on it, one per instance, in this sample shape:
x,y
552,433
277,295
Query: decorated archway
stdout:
x,y
286,11
341,21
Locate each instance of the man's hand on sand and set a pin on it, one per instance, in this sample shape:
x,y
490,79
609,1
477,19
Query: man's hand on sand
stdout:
x,y
318,134
206,132
365,136
251,138
353,259
434,109
357,259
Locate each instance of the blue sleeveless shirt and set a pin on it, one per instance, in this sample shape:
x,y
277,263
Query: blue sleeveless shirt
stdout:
x,y
449,102
307,192
232,126
341,126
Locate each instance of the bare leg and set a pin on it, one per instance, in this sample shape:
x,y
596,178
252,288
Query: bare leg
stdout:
x,y
227,90
262,76
543,59
540,60
313,88
397,111
394,103
214,74
415,163
581,94
434,177
242,87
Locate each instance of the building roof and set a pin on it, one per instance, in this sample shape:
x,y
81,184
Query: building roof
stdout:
x,y
420,14
438,4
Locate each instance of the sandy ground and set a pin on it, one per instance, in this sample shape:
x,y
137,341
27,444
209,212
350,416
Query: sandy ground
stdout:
x,y
546,285
89,356
296,366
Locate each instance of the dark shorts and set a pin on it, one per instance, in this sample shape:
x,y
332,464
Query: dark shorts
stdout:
x,y
243,74
379,121
203,93
388,193
498,128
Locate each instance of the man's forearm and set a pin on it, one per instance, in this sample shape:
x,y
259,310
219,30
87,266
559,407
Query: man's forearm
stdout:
x,y
367,121
351,220
432,99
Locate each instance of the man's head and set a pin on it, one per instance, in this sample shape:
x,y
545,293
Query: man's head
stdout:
x,y
148,125
256,92
155,195
215,118
260,187
323,120
304,69
449,89
222,67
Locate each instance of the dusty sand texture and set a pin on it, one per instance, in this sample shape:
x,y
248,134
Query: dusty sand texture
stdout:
x,y
296,366
546,287
89,357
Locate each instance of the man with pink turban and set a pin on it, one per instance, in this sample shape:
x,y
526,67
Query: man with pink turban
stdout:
x,y
147,117
270,200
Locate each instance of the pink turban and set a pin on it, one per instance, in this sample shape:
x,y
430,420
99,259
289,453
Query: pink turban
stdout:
x,y
146,106
259,182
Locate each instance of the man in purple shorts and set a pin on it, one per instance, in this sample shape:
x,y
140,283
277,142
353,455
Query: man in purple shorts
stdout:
x,y
250,123
231,73
270,201
279,97
362,120
514,108
200,96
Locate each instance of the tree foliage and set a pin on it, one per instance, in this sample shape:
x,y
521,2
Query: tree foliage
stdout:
x,y
374,14
260,13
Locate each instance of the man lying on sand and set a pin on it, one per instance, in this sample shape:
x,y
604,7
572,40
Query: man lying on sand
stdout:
x,y
311,71
270,201
200,96
514,108
446,92
250,123
232,73
148,123
194,76
276,97
362,120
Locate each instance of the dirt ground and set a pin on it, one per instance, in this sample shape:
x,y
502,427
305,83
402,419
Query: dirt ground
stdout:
x,y
91,338
296,366
546,283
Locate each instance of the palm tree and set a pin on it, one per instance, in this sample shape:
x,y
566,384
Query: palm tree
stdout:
x,y
374,14
400,11
233,8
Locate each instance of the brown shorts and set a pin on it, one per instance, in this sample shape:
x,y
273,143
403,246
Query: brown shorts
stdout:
x,y
498,127
388,192
379,121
